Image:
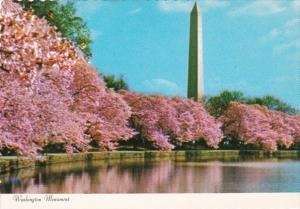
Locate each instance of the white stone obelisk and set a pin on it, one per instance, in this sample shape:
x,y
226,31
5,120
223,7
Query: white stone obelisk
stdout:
x,y
195,73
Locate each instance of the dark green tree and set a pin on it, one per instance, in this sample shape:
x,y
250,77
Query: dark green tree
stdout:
x,y
64,18
116,83
216,105
272,103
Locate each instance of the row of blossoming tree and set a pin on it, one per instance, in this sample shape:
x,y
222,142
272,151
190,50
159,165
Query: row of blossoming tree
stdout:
x,y
50,96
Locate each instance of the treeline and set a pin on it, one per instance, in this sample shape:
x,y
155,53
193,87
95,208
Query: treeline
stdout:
x,y
51,99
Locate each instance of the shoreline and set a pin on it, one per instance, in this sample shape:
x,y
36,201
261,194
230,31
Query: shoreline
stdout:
x,y
12,163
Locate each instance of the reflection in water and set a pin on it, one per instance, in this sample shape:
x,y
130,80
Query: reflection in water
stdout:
x,y
137,175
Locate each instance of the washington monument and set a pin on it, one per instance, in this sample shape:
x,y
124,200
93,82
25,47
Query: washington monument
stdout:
x,y
195,75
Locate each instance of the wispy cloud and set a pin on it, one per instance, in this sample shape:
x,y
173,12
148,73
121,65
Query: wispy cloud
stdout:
x,y
290,29
285,38
135,11
295,4
292,46
186,6
214,4
163,86
175,6
87,8
259,8
95,33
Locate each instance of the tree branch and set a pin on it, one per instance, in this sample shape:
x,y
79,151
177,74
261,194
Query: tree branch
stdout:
x,y
4,69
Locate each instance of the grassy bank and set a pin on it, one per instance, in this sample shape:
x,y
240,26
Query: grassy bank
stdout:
x,y
13,163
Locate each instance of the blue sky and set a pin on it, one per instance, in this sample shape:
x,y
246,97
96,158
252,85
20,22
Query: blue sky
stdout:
x,y
251,46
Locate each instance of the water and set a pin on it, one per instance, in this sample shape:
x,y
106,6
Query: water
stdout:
x,y
139,176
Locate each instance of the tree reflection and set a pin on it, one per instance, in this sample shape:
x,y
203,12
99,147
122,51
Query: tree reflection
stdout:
x,y
139,176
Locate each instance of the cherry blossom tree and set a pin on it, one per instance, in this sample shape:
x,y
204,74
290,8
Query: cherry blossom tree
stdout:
x,y
105,111
49,94
153,118
286,126
7,6
257,125
196,123
163,119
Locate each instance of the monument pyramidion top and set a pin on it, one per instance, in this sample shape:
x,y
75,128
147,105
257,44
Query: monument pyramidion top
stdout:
x,y
196,8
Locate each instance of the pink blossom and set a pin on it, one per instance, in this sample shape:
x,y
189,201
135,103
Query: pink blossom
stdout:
x,y
49,94
257,125
196,123
162,119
